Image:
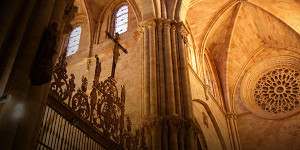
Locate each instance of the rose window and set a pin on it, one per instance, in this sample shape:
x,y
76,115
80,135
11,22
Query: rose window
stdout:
x,y
278,91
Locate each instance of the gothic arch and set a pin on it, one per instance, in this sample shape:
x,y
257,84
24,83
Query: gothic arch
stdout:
x,y
214,122
108,15
116,4
207,59
289,47
222,54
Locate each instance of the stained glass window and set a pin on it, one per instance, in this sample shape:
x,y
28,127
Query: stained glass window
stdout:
x,y
73,42
121,20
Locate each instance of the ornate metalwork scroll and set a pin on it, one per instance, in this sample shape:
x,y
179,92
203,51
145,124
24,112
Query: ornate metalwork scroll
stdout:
x,y
104,107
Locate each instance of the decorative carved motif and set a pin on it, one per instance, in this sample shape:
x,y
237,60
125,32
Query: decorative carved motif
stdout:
x,y
104,108
206,91
42,69
278,91
174,123
69,15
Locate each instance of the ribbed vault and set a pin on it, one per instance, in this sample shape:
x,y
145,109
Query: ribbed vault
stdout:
x,y
232,31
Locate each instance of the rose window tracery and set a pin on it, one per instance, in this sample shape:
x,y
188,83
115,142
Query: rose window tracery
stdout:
x,y
278,91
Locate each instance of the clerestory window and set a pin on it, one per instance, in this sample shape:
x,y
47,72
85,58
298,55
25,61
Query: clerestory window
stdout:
x,y
121,20
73,43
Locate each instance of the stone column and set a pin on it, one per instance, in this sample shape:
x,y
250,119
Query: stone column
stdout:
x,y
174,127
165,68
20,119
19,115
170,96
60,17
181,139
10,49
231,118
156,135
165,137
161,77
185,83
153,63
175,70
184,74
146,72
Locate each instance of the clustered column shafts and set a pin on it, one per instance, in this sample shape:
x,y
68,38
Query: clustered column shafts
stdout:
x,y
167,113
175,70
170,95
146,70
61,18
161,68
183,67
153,81
231,120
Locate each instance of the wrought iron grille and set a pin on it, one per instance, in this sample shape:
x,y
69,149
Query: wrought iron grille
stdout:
x,y
57,133
102,110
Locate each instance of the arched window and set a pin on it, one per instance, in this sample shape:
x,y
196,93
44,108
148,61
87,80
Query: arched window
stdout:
x,y
73,42
121,20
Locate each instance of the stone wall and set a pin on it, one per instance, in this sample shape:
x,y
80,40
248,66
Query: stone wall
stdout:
x,y
255,127
217,121
128,70
260,133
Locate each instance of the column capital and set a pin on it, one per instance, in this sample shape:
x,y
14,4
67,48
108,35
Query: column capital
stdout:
x,y
157,22
231,115
182,28
147,22
167,23
173,27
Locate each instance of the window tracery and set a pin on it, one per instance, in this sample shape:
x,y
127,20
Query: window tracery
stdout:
x,y
121,20
278,91
74,39
209,80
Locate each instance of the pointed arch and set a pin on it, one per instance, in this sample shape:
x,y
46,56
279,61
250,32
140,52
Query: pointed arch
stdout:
x,y
214,122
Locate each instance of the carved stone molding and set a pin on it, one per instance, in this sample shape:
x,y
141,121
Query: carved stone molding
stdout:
x,y
42,69
206,90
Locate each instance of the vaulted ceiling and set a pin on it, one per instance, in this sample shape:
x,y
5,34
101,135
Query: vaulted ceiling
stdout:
x,y
232,31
